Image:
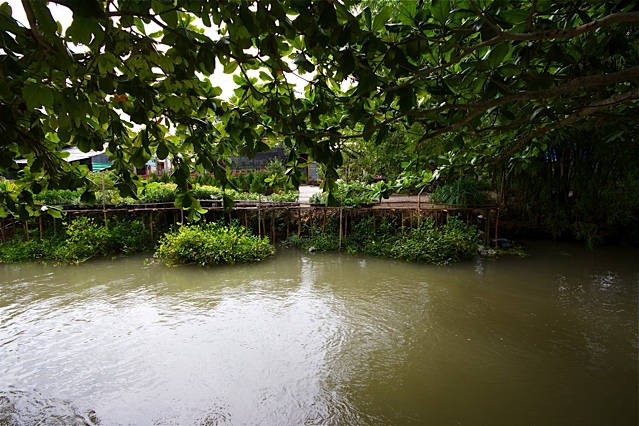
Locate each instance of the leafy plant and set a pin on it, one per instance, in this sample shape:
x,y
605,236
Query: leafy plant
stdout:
x,y
353,194
462,191
157,192
428,243
212,244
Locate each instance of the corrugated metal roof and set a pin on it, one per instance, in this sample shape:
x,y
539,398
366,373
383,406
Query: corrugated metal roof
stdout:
x,y
74,155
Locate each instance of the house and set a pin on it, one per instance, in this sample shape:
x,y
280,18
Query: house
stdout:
x,y
99,160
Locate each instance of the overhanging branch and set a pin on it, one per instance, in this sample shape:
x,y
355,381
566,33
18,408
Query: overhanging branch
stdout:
x,y
592,109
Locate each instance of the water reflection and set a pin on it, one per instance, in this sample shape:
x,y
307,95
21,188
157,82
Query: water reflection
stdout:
x,y
322,339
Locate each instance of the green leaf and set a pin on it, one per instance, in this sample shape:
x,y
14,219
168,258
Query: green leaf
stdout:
x,y
407,12
347,62
328,17
87,197
440,10
230,67
406,98
83,30
382,18
37,95
55,211
162,151
497,54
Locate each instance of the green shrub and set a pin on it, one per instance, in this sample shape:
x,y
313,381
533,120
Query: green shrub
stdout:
x,y
258,184
462,191
157,192
212,244
83,239
58,196
354,194
207,192
427,244
284,197
24,251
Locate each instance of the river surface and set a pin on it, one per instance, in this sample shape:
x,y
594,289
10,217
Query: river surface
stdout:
x,y
326,339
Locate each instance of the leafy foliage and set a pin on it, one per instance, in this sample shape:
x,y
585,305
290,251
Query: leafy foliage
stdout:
x,y
212,244
427,243
83,239
585,185
489,78
463,191
352,194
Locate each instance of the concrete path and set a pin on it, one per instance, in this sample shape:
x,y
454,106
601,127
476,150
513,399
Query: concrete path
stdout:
x,y
307,191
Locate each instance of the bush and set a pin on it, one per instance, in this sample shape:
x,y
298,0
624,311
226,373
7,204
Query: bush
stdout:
x,y
156,192
24,251
429,243
354,194
212,244
58,197
462,191
83,239
86,239
319,241
207,192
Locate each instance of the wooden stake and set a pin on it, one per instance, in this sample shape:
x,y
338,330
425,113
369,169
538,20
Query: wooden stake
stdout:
x,y
259,215
273,226
40,225
299,223
340,227
150,224
324,223
106,225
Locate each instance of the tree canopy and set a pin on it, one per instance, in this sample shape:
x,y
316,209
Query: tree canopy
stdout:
x,y
489,78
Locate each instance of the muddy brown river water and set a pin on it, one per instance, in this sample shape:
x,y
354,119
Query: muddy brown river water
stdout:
x,y
324,339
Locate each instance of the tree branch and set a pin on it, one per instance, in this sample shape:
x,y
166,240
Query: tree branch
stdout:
x,y
615,18
529,18
614,100
33,23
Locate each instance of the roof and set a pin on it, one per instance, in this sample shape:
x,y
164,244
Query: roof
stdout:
x,y
74,155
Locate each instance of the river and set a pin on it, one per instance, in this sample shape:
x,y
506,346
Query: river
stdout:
x,y
324,339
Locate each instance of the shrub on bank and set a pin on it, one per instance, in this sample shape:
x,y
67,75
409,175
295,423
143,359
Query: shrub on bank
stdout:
x,y
212,244
427,243
83,239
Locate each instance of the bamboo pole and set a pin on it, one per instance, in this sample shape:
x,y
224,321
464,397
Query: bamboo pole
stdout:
x,y
264,224
150,224
419,209
40,225
106,225
340,225
273,226
486,227
299,222
324,223
259,215
500,199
